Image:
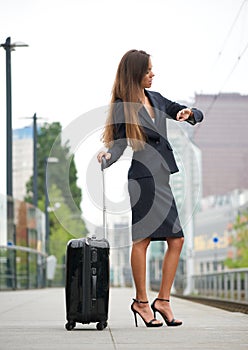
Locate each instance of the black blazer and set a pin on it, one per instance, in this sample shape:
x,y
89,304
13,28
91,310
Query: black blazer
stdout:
x,y
157,150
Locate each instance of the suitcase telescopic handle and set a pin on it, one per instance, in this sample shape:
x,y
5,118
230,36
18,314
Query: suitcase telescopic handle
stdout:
x,y
103,163
103,166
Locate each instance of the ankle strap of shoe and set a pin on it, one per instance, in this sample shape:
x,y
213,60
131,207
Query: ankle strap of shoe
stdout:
x,y
168,300
140,301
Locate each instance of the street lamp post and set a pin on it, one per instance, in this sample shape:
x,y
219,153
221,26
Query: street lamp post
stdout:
x,y
8,48
215,264
46,212
35,166
35,175
8,118
47,223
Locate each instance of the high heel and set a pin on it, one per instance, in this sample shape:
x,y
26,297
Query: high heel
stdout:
x,y
173,322
135,312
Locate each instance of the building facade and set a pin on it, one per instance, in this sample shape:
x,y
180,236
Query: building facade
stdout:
x,y
22,160
222,139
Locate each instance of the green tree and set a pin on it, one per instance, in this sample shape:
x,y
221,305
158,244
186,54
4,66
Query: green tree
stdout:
x,y
240,242
49,138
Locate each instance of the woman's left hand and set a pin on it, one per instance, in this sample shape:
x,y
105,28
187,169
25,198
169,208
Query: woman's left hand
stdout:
x,y
184,114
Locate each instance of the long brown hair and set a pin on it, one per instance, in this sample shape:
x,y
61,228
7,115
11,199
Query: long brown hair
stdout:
x,y
127,87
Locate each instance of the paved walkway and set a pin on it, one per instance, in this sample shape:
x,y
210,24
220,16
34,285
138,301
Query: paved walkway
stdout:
x,y
31,320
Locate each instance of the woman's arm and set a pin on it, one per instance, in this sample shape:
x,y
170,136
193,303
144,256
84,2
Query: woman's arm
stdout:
x,y
182,113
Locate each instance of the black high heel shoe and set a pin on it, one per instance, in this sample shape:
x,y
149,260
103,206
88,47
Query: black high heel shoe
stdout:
x,y
173,322
135,312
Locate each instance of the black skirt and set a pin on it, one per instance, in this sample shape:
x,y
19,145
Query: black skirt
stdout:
x,y
154,211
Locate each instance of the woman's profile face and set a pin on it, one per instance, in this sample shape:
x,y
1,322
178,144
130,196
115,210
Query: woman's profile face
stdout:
x,y
147,79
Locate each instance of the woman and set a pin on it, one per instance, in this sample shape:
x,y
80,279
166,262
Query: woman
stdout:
x,y
137,118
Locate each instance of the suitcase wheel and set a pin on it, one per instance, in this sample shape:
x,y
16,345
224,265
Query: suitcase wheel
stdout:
x,y
70,325
101,325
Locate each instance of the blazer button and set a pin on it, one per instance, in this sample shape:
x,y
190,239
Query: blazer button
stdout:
x,y
157,142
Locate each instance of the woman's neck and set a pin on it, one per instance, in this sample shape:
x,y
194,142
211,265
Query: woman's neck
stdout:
x,y
143,97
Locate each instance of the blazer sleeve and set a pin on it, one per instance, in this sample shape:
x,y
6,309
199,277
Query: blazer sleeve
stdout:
x,y
172,108
120,140
196,118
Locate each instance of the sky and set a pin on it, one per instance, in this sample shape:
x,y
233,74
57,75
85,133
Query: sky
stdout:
x,y
68,69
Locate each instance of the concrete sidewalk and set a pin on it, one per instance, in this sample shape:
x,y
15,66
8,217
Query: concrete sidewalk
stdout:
x,y
35,319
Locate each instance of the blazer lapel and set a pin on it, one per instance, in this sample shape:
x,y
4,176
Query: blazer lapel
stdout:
x,y
146,120
157,112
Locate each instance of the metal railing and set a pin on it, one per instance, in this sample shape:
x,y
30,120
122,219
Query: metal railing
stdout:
x,y
231,285
21,268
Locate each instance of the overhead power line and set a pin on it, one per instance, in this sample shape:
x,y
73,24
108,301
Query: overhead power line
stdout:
x,y
236,62
228,77
235,66
231,28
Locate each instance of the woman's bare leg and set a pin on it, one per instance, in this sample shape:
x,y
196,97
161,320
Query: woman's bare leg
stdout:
x,y
169,268
138,263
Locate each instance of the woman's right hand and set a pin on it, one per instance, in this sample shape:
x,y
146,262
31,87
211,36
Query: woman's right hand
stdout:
x,y
106,155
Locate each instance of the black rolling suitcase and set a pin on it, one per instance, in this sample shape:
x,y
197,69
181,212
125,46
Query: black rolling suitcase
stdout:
x,y
87,278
